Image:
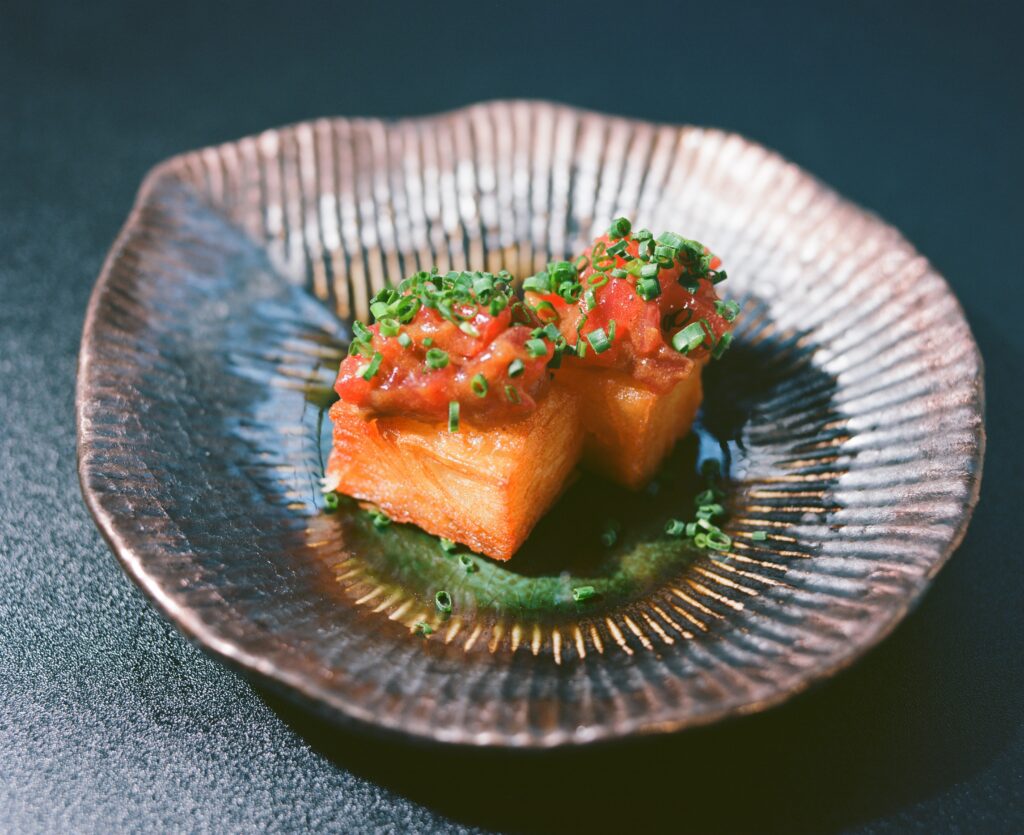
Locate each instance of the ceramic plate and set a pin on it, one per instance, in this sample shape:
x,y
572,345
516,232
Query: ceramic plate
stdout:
x,y
847,419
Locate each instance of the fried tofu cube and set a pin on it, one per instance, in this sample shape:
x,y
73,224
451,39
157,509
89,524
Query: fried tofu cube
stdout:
x,y
484,487
629,428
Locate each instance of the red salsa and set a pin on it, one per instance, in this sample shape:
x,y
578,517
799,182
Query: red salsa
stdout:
x,y
641,304
440,339
464,345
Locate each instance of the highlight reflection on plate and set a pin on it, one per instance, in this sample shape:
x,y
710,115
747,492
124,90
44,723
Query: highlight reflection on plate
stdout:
x,y
848,419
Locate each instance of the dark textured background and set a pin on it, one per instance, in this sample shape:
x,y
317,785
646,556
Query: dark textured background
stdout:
x,y
109,720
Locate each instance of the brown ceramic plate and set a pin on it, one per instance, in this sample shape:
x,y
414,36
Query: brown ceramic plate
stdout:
x,y
848,419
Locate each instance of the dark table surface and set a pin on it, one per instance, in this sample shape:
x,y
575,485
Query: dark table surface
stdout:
x,y
110,720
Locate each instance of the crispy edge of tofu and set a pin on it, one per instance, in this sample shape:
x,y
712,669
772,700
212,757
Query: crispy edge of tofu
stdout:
x,y
485,487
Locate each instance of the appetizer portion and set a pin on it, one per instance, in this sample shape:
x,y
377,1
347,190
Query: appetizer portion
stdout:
x,y
464,408
640,318
446,416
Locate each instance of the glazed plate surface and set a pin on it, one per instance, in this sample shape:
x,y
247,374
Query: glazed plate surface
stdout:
x,y
847,419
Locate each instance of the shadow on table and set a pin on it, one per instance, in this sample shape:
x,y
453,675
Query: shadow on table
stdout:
x,y
930,707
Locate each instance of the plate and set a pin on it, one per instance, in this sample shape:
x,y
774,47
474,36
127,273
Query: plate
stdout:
x,y
847,421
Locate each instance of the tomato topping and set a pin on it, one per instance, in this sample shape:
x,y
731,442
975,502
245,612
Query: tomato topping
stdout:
x,y
472,346
636,295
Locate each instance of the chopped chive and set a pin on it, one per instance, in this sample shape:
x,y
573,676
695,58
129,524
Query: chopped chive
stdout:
x,y
515,368
427,341
618,273
479,385
665,254
690,337
468,563
404,339
453,416
620,228
436,358
722,346
537,283
617,248
648,289
389,327
581,348
372,366
759,536
599,341
379,309
719,276
611,330
649,271
600,281
536,347
704,497
674,527
423,628
590,298
331,501
581,593
545,306
512,394
469,329
719,540
552,332
700,539
691,529
728,310
671,239
447,545
443,602
380,519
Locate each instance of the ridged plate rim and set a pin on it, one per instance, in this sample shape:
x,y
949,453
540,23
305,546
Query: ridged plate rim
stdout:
x,y
134,561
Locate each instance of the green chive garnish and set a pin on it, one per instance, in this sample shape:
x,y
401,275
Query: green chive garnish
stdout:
x,y
512,394
649,271
468,563
427,342
759,536
515,368
436,358
599,341
423,628
453,416
443,602
536,347
620,228
674,527
448,545
581,593
479,385
728,310
722,346
389,327
331,501
690,337
380,519
719,540
617,248
404,339
648,289
371,367
468,328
